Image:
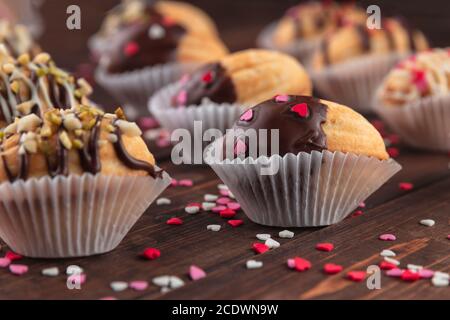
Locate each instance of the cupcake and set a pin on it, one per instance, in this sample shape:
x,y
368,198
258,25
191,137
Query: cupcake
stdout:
x,y
36,84
304,26
73,182
217,93
298,161
414,99
148,49
350,63
17,39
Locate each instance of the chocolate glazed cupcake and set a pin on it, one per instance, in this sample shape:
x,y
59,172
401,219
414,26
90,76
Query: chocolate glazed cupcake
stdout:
x,y
312,165
74,182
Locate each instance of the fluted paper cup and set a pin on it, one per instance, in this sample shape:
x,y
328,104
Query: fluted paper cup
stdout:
x,y
73,216
355,82
211,115
307,190
422,124
300,49
134,88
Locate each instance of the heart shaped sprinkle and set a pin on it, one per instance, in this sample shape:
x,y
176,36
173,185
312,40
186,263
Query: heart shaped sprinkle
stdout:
x,y
138,285
440,282
131,49
235,223
272,244
263,236
233,205
384,265
12,256
426,274
18,269
151,254
156,32
387,237
253,264
331,268
227,213
406,186
387,253
185,183
356,276
217,209
301,109
118,286
223,201
182,98
286,234
427,222
247,115
291,263
240,147
281,98
207,77
174,222
301,264
208,206
392,260
196,273
396,272
163,201
357,213
213,227
50,272
260,248
393,152
414,267
210,197
410,276
4,262
192,209
327,247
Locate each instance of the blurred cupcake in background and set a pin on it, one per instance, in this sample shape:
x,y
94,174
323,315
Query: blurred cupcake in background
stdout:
x,y
219,92
351,62
414,99
303,27
145,45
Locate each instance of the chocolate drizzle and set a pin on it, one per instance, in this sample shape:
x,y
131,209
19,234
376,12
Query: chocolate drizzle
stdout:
x,y
217,86
89,156
296,133
60,164
364,36
23,168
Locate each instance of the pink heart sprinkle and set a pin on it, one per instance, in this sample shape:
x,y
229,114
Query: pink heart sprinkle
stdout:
x,y
182,98
426,273
282,98
185,183
223,200
4,262
240,147
291,263
396,272
247,115
146,123
224,193
173,182
362,205
233,205
388,237
218,209
196,273
184,79
18,269
138,285
301,109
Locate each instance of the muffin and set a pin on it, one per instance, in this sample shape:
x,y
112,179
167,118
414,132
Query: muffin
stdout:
x,y
217,93
414,99
33,85
350,63
66,177
147,48
17,39
303,26
310,161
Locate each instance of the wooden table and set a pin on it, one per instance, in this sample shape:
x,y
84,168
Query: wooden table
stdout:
x,y
223,254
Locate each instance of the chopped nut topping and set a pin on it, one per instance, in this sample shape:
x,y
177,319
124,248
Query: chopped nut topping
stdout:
x,y
72,123
8,68
42,58
28,123
130,129
65,140
25,107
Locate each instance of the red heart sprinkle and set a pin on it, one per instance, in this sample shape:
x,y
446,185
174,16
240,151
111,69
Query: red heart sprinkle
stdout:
x,y
12,256
207,77
408,275
356,276
131,49
325,247
331,268
406,186
302,264
357,213
174,221
260,247
384,265
247,115
301,109
235,223
151,254
393,152
227,213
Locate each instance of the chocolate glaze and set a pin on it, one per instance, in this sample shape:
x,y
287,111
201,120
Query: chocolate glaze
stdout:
x,y
296,133
150,51
219,89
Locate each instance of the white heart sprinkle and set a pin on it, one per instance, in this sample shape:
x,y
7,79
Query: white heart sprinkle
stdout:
x,y
118,286
253,264
263,236
391,260
387,253
207,206
439,282
192,209
272,244
161,281
286,234
427,222
74,269
50,272
213,227
414,267
176,282
222,187
211,197
440,274
163,201
156,32
231,195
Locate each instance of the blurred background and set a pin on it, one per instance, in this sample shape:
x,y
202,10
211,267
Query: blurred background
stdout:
x,y
239,22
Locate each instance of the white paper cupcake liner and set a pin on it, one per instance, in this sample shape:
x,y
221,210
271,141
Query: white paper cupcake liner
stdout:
x,y
134,88
308,190
300,49
423,124
73,216
211,115
354,83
